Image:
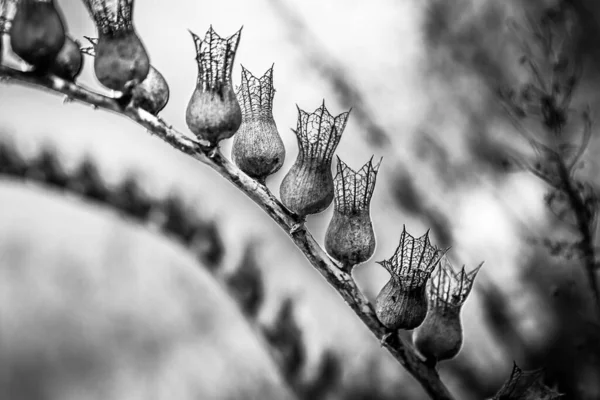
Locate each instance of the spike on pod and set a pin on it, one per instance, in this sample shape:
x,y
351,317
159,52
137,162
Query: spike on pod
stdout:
x,y
440,336
37,33
308,186
152,94
402,303
121,60
350,238
213,112
257,147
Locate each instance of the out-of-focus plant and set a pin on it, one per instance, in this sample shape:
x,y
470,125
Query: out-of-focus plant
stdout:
x,y
440,336
558,132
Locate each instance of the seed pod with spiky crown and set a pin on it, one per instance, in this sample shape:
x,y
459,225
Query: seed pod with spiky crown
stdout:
x,y
37,33
526,385
257,147
121,59
440,336
350,238
213,113
152,94
308,186
402,303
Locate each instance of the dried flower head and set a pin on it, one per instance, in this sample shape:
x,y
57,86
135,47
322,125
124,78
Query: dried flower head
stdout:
x,y
350,238
448,288
215,56
414,260
257,147
213,113
354,189
121,61
37,33
112,17
308,186
440,336
525,385
319,133
255,95
152,94
402,303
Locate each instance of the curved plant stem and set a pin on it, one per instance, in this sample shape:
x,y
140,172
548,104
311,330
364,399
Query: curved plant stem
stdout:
x,y
291,223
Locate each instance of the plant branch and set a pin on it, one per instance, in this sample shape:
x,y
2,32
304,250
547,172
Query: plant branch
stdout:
x,y
584,225
291,223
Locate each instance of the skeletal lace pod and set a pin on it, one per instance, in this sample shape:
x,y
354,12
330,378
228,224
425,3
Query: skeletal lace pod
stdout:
x,y
440,336
402,303
308,186
121,60
213,112
350,238
526,385
257,147
37,33
152,94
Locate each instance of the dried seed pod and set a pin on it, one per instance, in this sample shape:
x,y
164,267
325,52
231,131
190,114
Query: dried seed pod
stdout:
x,y
402,303
526,385
68,61
37,34
257,147
308,186
152,94
440,336
213,113
350,238
121,59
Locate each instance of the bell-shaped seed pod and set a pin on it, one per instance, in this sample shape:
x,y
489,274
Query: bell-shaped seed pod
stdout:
x,y
68,62
152,94
37,33
350,238
257,147
440,336
526,385
402,303
121,59
213,113
308,186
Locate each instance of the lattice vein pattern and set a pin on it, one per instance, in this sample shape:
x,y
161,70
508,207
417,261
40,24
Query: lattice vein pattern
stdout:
x,y
414,260
526,385
255,95
111,16
319,133
215,56
448,288
354,189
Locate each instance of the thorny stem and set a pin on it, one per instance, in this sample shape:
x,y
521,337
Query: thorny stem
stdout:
x,y
291,223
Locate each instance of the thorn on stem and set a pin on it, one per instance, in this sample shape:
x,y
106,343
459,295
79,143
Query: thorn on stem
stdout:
x,y
296,227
